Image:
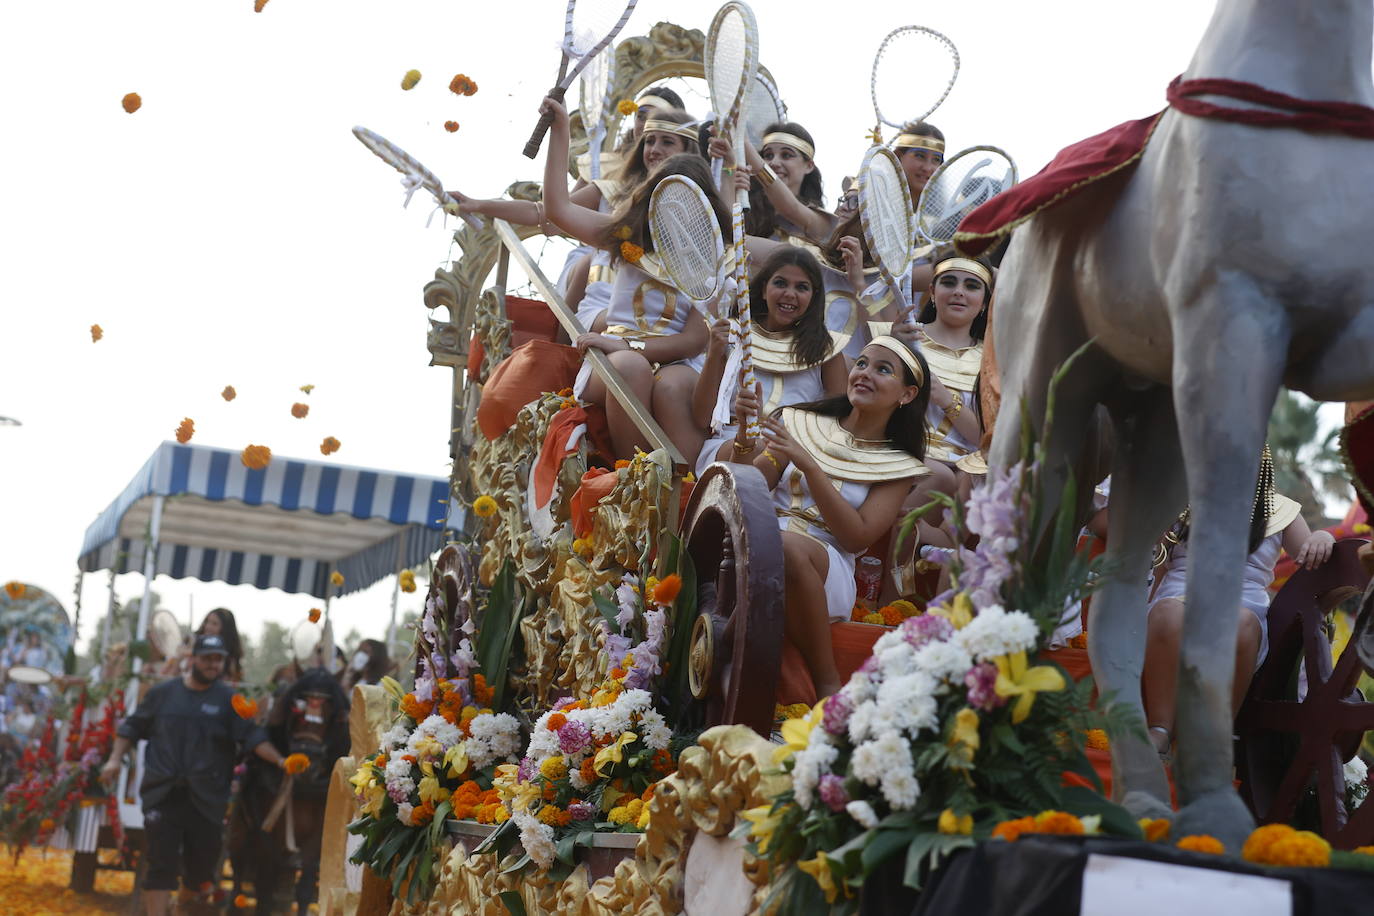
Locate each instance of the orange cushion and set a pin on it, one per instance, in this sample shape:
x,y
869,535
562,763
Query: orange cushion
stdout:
x,y
596,483
532,369
531,319
852,644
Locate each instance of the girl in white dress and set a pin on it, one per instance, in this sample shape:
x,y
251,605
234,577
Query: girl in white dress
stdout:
x,y
651,333
839,470
795,357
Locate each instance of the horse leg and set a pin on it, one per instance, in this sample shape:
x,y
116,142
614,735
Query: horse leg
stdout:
x,y
1229,357
1147,492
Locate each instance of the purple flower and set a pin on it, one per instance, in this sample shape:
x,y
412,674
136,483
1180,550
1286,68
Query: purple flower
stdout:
x,y
581,811
526,771
574,736
835,714
832,792
398,794
926,628
982,687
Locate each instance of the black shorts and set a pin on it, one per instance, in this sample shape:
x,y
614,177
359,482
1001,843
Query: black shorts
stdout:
x,y
179,841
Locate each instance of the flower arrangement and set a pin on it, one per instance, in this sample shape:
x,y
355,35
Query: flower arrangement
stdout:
x,y
889,615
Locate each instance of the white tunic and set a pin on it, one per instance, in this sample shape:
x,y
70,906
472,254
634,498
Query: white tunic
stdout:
x,y
797,512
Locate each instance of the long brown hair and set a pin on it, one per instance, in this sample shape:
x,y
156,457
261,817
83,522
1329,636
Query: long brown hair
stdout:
x,y
851,225
810,338
979,327
631,172
631,219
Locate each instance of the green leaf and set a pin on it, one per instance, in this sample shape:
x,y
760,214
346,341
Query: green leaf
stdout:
x,y
496,634
493,839
1116,820
565,849
881,847
513,902
608,608
517,864
916,857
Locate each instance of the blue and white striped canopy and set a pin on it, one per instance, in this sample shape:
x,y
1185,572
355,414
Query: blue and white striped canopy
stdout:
x,y
286,526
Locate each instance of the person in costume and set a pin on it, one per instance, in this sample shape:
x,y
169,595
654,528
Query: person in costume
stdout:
x,y
920,148
1276,525
795,357
652,333
839,470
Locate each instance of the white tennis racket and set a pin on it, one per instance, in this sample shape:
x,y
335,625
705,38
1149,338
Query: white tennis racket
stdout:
x,y
960,185
588,27
594,102
416,175
886,216
913,72
732,47
762,106
687,237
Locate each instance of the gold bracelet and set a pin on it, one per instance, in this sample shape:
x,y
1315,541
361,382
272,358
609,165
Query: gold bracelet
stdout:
x,y
748,446
953,410
766,175
773,458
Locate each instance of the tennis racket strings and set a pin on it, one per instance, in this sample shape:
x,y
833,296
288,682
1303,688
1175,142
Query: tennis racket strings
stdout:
x,y
913,73
960,186
687,237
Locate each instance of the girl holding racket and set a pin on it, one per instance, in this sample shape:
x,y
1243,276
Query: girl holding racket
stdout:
x,y
920,148
839,469
786,195
651,332
795,358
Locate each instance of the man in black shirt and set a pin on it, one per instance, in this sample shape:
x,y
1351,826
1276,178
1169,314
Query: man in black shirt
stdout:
x,y
194,739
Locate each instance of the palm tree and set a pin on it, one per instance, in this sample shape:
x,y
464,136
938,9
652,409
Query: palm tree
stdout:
x,y
1307,464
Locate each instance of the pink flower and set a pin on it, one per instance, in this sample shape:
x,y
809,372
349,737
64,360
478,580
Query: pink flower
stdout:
x,y
982,681
581,811
573,737
832,792
925,628
835,714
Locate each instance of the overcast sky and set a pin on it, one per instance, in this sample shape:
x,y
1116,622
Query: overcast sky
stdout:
x,y
232,231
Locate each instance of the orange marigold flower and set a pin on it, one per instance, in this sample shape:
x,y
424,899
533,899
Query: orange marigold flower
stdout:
x,y
617,673
228,393
621,463
299,410
626,106
336,578
406,580
256,457
567,404
481,692
1079,642
858,613
15,590
423,814
462,85
297,763
665,592
663,761
451,126
565,392
1257,846
1010,830
257,8
631,252
185,430
314,615
417,709
241,901
1156,829
46,824
1097,739
1202,842
245,707
554,816
1286,846
1364,850
556,721
1059,822
410,80
588,769
329,446
891,615
132,102
97,332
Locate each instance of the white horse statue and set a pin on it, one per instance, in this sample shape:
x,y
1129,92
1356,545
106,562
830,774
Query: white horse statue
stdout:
x,y
1234,259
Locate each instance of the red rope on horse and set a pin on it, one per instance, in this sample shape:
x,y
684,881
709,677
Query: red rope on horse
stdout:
x,y
1306,114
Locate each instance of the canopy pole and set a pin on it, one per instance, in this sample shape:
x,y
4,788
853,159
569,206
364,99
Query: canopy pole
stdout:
x,y
149,572
76,620
328,590
396,589
109,613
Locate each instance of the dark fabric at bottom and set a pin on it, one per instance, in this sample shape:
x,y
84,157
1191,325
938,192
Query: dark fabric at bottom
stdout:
x,y
1043,876
180,841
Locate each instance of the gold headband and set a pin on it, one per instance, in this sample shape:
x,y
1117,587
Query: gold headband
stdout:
x,y
671,127
653,101
915,141
968,264
904,353
792,140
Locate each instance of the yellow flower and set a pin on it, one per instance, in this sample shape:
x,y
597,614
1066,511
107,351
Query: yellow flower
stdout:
x,y
613,753
456,759
626,106
796,733
1097,739
430,791
1014,679
643,822
582,546
484,506
964,742
1279,844
631,252
1361,528
411,78
554,767
959,613
407,580
906,607
619,815
819,869
1156,829
874,617
307,388
955,823
764,821
336,578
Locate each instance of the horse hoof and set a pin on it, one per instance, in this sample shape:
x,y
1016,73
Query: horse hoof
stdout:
x,y
1145,805
1219,813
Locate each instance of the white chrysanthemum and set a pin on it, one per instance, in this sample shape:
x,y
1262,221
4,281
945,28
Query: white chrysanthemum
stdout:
x,y
888,640
907,703
873,760
394,737
397,767
654,730
807,767
945,662
1355,771
500,731
405,813
901,789
862,722
438,728
995,632
480,753
863,812
537,839
896,660
543,743
860,688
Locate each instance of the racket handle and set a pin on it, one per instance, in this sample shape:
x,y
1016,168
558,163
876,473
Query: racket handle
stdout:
x,y
472,221
537,138
716,166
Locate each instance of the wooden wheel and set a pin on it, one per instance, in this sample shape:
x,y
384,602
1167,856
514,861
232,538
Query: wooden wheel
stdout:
x,y
1287,743
731,533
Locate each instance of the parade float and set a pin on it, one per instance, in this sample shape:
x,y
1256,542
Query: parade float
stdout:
x,y
607,718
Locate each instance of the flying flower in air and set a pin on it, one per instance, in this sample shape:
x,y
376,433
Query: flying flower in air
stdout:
x,y
410,79
407,581
257,8
336,578
97,332
15,590
484,506
245,707
451,126
186,430
132,102
307,388
228,393
329,446
299,410
462,85
256,457
626,106
241,901
314,615
297,763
